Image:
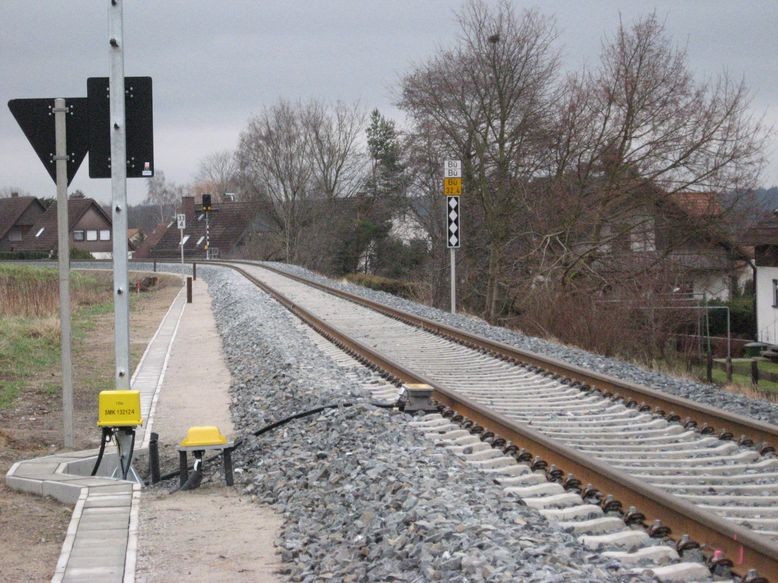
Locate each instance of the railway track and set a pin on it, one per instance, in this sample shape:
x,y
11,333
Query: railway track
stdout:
x,y
605,449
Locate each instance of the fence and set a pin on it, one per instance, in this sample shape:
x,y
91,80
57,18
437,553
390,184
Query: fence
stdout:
x,y
751,369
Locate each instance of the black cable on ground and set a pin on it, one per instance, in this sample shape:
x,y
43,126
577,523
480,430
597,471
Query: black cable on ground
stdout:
x,y
105,437
265,429
126,470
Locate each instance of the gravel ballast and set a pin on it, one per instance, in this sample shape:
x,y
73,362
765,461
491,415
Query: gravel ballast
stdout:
x,y
700,392
364,497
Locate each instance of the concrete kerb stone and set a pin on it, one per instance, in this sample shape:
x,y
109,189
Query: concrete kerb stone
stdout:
x,y
70,537
155,396
152,399
131,556
65,477
68,493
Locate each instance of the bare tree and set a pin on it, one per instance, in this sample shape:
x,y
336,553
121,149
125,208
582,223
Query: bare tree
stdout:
x,y
630,138
164,195
334,149
217,174
275,168
491,98
423,148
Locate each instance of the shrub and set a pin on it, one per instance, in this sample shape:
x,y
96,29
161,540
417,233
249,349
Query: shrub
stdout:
x,y
743,319
385,284
22,255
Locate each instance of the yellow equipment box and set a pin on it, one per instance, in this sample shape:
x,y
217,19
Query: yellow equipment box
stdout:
x,y
205,436
119,409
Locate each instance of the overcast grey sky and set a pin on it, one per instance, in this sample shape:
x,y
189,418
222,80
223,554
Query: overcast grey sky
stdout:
x,y
215,64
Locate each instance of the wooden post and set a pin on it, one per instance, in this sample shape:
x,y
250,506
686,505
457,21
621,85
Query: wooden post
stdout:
x,y
709,367
754,372
183,470
729,369
188,290
194,270
154,457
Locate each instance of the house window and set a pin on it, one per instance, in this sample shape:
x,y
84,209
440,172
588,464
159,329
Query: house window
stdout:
x,y
15,234
40,232
775,293
105,234
78,235
91,235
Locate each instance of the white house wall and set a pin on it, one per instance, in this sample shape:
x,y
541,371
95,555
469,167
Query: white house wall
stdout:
x,y
766,313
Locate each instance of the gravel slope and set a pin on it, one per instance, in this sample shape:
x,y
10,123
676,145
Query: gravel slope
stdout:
x,y
696,391
363,497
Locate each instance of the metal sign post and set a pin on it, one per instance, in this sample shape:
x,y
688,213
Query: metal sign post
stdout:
x,y
452,188
94,122
119,207
181,220
63,257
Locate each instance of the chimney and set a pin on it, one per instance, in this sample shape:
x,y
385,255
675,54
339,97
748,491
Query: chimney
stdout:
x,y
14,195
187,207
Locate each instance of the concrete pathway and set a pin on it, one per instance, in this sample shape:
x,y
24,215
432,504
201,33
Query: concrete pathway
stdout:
x,y
210,534
183,381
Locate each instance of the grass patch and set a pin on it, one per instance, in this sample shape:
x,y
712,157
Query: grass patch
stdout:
x,y
764,364
741,384
30,329
720,377
29,321
30,291
27,345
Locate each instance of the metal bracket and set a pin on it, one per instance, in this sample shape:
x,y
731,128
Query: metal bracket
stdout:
x,y
418,398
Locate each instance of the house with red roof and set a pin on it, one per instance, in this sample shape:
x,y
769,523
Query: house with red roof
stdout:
x,y
90,227
18,214
229,229
685,233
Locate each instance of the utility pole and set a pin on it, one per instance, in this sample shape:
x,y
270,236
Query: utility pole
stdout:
x,y
63,258
119,196
124,439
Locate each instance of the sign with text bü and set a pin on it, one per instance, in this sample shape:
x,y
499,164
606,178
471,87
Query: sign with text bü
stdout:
x,y
452,177
452,186
452,169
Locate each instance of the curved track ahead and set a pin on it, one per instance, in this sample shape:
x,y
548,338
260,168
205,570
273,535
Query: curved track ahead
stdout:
x,y
692,476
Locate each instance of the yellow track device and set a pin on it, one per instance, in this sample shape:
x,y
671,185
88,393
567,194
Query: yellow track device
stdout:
x,y
119,409
205,436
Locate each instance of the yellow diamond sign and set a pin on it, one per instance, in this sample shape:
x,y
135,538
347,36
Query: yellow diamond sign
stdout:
x,y
452,186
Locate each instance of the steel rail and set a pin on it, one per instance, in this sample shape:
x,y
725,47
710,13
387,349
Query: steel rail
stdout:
x,y
724,421
746,549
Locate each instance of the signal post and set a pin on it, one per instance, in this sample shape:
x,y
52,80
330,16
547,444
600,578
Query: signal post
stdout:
x,y
452,188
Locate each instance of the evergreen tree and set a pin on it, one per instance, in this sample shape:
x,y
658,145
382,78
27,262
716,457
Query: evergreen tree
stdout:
x,y
383,146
